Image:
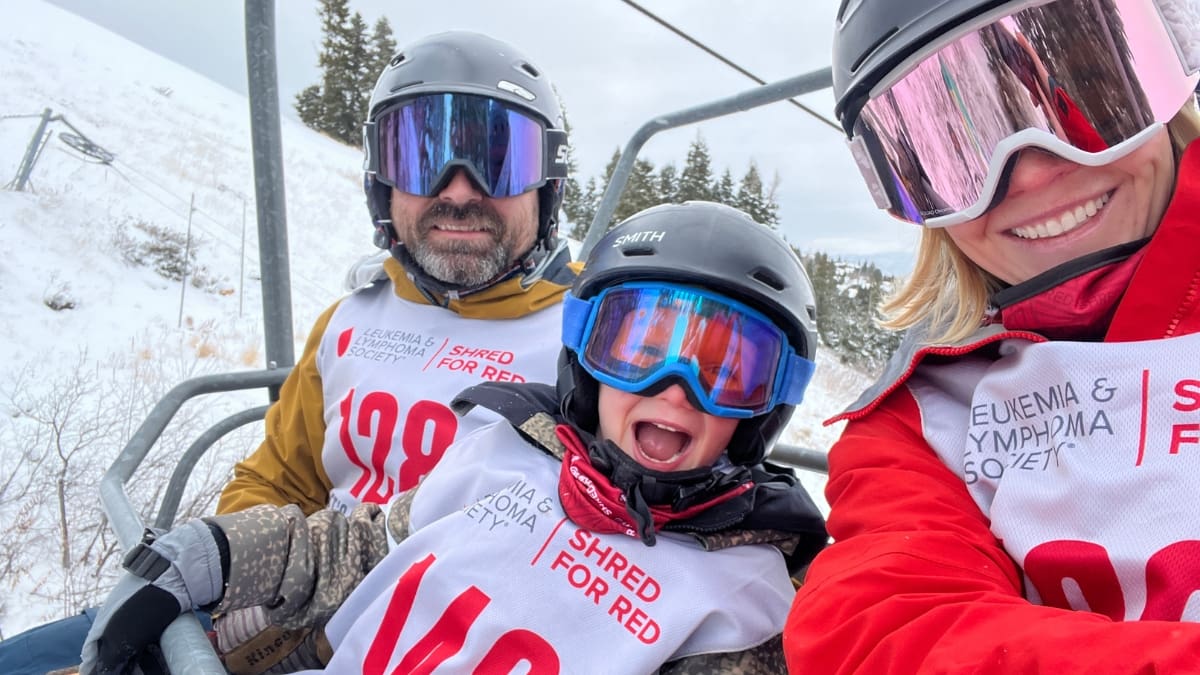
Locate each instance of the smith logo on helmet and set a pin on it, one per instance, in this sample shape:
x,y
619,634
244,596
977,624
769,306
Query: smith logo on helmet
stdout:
x,y
512,87
639,237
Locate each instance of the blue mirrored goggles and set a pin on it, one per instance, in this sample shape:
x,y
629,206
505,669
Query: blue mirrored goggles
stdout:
x,y
730,358
414,145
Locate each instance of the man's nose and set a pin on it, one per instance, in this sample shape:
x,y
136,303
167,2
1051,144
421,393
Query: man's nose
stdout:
x,y
461,189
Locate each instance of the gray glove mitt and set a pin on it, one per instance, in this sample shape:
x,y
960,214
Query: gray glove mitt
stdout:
x,y
168,574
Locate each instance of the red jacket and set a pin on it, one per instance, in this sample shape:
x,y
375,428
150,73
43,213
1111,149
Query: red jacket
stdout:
x,y
917,582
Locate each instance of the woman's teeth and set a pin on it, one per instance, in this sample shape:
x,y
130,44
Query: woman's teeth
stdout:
x,y
1063,224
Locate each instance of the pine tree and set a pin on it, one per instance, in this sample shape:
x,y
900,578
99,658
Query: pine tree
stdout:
x,y
847,298
584,210
349,65
336,78
641,190
823,274
752,198
357,92
770,203
574,206
308,106
668,184
576,202
695,182
723,190
380,50
608,173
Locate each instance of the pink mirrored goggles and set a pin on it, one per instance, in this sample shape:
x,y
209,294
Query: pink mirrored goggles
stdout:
x,y
1087,80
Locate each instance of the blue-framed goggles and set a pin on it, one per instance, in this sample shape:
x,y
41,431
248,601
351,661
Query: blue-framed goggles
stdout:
x,y
415,144
732,360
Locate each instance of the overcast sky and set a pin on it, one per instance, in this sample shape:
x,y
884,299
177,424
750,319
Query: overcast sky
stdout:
x,y
614,68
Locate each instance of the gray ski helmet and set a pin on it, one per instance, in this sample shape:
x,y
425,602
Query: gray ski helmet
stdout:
x,y
469,63
872,37
716,247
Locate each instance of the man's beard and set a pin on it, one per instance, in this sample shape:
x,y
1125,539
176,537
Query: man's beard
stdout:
x,y
459,262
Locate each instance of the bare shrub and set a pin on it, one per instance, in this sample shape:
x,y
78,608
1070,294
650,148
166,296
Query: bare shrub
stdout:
x,y
166,251
65,426
57,295
251,356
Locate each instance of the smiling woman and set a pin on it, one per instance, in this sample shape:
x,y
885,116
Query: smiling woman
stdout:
x,y
980,494
1045,183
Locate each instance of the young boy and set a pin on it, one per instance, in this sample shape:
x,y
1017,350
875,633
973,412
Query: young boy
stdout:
x,y
623,523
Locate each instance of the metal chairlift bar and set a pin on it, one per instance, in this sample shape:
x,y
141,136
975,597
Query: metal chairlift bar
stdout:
x,y
125,519
801,458
753,98
267,143
183,468
184,643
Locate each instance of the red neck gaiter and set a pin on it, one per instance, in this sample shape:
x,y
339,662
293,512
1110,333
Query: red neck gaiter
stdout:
x,y
592,501
1079,308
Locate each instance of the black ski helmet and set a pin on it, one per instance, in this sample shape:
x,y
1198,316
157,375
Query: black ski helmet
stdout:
x,y
872,37
470,63
710,245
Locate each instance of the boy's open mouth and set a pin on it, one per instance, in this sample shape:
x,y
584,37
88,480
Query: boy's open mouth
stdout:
x,y
659,442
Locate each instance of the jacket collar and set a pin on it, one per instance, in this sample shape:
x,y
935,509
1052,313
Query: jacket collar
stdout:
x,y
508,299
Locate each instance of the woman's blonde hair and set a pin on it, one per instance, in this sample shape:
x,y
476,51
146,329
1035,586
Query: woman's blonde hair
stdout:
x,y
950,292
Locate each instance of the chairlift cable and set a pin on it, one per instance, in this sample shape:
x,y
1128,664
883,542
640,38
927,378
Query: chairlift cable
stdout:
x,y
712,52
19,117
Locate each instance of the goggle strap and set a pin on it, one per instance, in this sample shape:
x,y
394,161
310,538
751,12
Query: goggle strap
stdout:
x,y
796,377
862,157
370,149
556,154
575,317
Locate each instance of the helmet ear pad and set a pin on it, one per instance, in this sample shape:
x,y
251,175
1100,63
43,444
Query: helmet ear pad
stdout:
x,y
550,197
756,435
379,204
578,393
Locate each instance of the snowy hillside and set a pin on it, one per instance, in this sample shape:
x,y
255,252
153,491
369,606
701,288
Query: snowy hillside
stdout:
x,y
85,331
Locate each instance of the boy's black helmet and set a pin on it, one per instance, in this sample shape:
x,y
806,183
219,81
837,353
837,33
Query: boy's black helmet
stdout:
x,y
872,37
469,63
716,247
